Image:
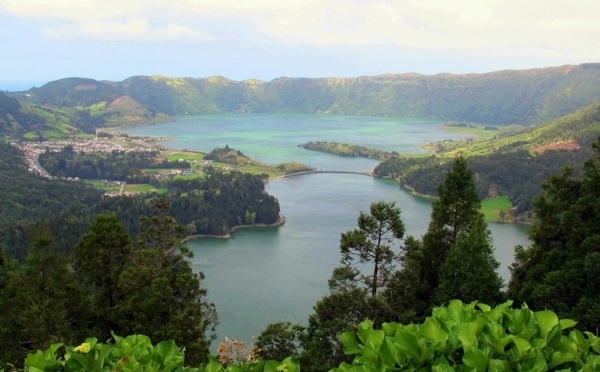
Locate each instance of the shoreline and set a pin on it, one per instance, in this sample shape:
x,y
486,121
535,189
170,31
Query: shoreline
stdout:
x,y
229,234
281,220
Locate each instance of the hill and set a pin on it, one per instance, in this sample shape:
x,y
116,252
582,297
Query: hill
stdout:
x,y
502,97
513,164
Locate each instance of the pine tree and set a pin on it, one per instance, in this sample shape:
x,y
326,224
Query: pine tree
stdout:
x,y
368,262
453,212
455,258
370,245
560,269
100,257
162,296
469,271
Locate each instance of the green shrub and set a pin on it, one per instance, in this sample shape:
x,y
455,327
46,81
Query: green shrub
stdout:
x,y
136,353
474,337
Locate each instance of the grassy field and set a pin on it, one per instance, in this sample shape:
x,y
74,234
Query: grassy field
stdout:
x,y
104,186
143,187
491,207
253,167
185,155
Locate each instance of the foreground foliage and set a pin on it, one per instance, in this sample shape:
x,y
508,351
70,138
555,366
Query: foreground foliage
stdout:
x,y
457,337
136,353
474,337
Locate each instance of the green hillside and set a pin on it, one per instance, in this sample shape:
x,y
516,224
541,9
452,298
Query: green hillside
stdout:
x,y
507,164
502,97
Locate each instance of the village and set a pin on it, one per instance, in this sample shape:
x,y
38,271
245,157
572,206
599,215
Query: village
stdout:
x,y
32,150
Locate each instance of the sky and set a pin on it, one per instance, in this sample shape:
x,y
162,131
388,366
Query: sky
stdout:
x,y
46,40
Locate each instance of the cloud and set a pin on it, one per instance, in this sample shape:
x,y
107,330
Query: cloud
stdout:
x,y
429,25
179,32
137,29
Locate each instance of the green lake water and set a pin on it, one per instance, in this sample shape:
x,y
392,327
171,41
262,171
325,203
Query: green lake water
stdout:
x,y
276,274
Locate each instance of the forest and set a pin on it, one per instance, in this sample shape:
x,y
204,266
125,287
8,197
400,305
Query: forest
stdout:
x,y
344,149
212,205
434,302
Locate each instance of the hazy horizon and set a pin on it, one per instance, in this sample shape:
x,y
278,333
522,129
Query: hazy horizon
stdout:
x,y
259,39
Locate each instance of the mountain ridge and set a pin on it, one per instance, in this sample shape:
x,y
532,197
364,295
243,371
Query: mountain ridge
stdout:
x,y
500,97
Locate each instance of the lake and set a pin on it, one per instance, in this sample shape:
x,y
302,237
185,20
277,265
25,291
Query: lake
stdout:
x,y
276,274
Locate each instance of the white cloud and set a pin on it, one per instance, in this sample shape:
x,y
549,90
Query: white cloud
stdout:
x,y
560,25
137,29
71,9
179,32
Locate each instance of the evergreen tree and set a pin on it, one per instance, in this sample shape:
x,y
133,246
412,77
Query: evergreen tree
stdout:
x,y
41,300
407,295
368,261
279,341
560,269
100,257
334,314
370,245
162,296
469,272
455,258
453,212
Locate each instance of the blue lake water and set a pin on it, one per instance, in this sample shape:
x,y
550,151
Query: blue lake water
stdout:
x,y
275,274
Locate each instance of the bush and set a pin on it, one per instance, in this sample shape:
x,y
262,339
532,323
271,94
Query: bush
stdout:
x,y
136,353
474,337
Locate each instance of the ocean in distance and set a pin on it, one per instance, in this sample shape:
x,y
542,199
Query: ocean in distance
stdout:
x,y
267,275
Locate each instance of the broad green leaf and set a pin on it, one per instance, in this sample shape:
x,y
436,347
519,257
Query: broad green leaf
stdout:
x,y
468,335
390,329
344,367
593,362
39,362
559,358
485,308
476,359
234,368
291,364
364,329
499,345
350,343
495,330
214,365
167,354
521,346
375,339
567,323
370,351
579,340
498,365
594,341
390,356
539,363
407,344
431,330
442,368
456,311
546,320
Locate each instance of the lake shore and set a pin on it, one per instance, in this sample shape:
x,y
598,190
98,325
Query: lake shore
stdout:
x,y
280,222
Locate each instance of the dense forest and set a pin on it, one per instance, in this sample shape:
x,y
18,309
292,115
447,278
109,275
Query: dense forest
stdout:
x,y
212,205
